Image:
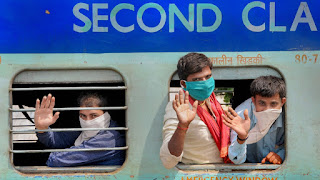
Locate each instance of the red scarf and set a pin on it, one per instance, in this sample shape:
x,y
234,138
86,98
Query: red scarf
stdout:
x,y
219,132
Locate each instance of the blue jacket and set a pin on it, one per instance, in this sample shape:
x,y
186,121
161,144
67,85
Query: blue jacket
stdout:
x,y
104,139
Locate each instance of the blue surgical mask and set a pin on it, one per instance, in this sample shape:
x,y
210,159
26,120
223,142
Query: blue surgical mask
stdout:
x,y
200,90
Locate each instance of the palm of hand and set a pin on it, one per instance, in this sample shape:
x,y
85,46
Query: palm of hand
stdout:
x,y
241,126
235,122
185,114
44,112
44,117
181,106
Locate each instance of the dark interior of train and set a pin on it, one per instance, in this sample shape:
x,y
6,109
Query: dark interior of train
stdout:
x,y
67,119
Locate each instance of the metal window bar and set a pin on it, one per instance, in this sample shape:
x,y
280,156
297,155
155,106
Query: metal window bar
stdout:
x,y
228,167
23,125
73,109
23,119
68,150
24,141
69,88
83,169
65,129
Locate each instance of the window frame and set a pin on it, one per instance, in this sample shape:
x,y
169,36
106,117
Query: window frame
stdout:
x,y
116,77
224,73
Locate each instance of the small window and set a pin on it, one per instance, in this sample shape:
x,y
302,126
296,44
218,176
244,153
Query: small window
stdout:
x,y
232,87
28,155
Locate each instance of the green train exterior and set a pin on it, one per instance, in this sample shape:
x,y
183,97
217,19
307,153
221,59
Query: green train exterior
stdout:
x,y
145,69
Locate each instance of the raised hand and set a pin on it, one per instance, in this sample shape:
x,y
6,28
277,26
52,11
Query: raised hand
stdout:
x,y
272,157
44,117
235,122
181,106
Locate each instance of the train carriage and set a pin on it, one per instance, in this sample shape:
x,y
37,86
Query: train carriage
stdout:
x,y
128,51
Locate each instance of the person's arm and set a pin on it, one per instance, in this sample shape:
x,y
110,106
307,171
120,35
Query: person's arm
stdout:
x,y
240,130
185,116
280,143
281,152
237,123
175,128
169,128
237,150
58,139
277,157
104,139
43,118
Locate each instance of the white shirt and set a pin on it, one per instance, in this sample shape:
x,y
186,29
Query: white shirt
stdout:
x,y
199,146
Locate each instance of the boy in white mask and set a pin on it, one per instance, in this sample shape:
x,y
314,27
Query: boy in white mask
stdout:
x,y
261,114
78,140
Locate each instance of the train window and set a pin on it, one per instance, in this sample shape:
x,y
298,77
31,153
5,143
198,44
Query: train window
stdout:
x,y
27,154
232,88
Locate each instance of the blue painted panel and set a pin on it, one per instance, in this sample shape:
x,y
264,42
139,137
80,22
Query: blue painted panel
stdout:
x,y
32,26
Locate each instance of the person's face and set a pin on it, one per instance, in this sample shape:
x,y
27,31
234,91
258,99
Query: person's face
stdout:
x,y
90,114
205,74
264,103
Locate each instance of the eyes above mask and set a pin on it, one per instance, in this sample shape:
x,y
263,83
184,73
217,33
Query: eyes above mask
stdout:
x,y
200,90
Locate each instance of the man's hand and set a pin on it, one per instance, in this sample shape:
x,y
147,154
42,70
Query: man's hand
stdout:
x,y
235,122
181,106
272,157
44,117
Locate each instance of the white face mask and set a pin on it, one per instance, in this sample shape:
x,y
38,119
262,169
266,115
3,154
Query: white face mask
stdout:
x,y
102,121
265,119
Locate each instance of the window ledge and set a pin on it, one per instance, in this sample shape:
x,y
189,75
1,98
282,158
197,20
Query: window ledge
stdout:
x,y
79,169
228,167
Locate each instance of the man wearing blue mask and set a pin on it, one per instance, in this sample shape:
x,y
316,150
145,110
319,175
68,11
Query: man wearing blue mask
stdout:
x,y
193,132
261,114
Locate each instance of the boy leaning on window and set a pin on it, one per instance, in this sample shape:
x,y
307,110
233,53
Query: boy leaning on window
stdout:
x,y
263,140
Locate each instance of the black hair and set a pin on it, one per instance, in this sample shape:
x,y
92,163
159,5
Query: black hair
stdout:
x,y
91,99
192,63
268,86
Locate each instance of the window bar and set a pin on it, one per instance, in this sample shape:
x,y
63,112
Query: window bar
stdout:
x,y
228,167
67,150
73,109
68,88
225,103
20,119
42,169
24,141
65,130
23,125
